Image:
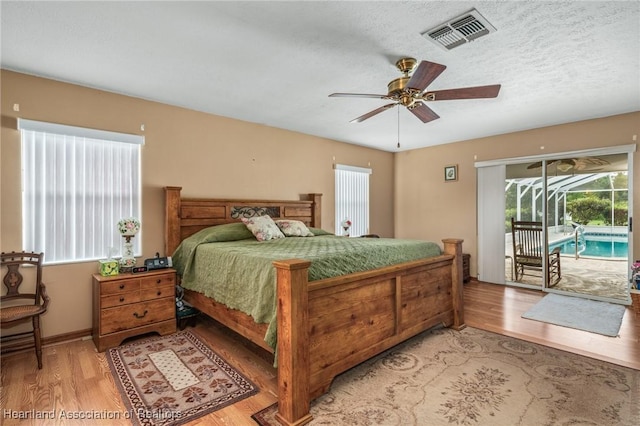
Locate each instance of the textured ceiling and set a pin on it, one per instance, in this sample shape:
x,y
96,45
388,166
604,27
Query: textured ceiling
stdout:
x,y
275,63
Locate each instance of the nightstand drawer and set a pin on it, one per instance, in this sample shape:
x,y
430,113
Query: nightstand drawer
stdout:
x,y
157,292
120,299
120,286
158,280
136,315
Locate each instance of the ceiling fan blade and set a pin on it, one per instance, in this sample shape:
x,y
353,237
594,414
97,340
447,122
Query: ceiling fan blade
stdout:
x,y
588,163
425,74
538,164
372,113
478,92
356,95
424,113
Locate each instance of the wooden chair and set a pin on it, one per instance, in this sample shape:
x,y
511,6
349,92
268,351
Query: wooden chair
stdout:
x,y
528,250
16,268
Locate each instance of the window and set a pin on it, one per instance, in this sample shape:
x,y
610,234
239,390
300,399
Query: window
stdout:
x,y
352,199
77,184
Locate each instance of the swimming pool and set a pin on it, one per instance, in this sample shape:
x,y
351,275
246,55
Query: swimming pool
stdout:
x,y
596,244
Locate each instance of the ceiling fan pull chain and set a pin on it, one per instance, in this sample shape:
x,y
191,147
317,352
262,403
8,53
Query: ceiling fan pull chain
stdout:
x,y
398,127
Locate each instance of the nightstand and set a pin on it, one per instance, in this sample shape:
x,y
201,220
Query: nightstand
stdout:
x,y
128,305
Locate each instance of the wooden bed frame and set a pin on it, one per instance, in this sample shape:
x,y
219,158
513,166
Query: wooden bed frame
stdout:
x,y
325,327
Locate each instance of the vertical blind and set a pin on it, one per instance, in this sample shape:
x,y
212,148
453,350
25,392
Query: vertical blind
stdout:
x,y
352,199
491,219
77,184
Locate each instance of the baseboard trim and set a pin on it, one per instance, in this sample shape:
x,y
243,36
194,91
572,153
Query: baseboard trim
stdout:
x,y
59,338
51,340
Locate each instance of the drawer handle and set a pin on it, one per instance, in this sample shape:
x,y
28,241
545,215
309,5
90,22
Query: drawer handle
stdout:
x,y
159,292
137,315
121,286
158,281
122,299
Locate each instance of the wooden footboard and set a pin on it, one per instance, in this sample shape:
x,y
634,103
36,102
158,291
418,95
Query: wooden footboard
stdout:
x,y
328,326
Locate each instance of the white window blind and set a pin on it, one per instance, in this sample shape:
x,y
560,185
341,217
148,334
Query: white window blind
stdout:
x,y
77,183
491,212
352,199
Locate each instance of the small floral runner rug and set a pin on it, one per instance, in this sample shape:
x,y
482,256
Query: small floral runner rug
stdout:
x,y
474,378
174,379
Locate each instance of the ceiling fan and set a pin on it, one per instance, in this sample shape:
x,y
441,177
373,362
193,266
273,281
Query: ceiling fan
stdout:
x,y
409,91
566,164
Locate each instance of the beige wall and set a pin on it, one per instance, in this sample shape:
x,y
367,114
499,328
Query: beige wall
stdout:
x,y
428,208
215,156
205,154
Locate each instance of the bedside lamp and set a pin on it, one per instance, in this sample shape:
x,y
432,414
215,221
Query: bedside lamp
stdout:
x,y
128,228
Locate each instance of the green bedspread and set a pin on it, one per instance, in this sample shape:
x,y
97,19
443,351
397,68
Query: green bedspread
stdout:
x,y
232,267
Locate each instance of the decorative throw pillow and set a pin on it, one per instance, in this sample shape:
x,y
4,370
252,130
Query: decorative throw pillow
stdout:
x,y
293,228
263,228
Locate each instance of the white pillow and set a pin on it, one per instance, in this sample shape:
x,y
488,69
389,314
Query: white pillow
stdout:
x,y
293,228
263,228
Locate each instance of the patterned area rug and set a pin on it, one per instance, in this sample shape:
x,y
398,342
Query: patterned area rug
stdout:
x,y
174,379
473,377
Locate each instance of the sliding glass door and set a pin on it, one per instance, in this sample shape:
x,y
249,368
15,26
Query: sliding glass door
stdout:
x,y
580,202
588,223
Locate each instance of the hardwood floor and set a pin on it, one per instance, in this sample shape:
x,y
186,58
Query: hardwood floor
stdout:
x,y
76,378
498,308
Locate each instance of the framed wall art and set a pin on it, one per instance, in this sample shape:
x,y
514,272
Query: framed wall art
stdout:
x,y
451,173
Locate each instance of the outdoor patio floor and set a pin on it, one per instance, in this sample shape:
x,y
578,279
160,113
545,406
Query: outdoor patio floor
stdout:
x,y
589,276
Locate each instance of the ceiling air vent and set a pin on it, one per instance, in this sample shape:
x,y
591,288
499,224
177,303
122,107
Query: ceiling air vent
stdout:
x,y
460,30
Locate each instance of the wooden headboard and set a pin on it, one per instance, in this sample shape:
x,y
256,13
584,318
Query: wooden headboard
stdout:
x,y
186,216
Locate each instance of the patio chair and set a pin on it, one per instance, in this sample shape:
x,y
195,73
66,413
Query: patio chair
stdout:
x,y
528,250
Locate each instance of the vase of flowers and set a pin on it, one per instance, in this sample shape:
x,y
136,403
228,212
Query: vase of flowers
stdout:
x,y
634,286
346,225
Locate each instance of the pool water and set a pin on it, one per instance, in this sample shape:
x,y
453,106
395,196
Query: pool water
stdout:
x,y
607,247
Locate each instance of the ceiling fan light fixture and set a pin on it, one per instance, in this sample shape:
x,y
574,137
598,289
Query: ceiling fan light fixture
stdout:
x,y
459,30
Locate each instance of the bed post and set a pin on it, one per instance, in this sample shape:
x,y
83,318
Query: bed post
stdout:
x,y
454,246
172,219
317,210
293,342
